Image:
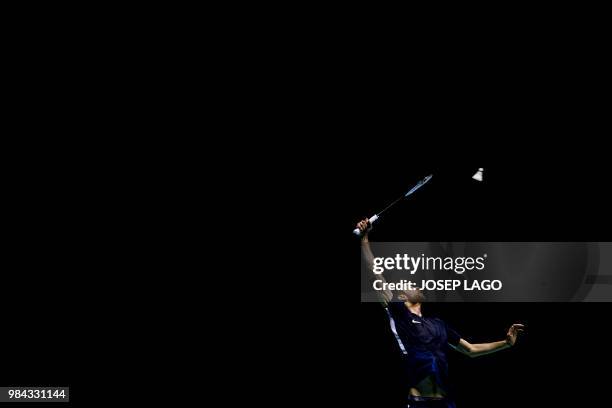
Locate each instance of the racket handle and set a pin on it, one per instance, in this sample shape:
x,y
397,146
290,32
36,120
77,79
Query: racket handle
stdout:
x,y
372,219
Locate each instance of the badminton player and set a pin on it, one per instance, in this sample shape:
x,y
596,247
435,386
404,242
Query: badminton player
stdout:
x,y
424,341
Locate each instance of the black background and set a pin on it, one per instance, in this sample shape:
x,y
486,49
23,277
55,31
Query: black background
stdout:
x,y
52,283
526,195
46,248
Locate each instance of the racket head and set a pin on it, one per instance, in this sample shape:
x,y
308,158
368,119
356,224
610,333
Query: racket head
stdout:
x,y
419,185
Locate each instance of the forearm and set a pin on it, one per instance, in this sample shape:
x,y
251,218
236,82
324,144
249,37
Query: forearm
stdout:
x,y
386,295
481,349
366,251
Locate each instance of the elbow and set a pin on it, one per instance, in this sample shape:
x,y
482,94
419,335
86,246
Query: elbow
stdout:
x,y
471,352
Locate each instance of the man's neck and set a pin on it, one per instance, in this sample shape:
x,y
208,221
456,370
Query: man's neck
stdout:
x,y
414,308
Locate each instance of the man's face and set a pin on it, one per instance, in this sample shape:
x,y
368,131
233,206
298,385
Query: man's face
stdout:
x,y
412,296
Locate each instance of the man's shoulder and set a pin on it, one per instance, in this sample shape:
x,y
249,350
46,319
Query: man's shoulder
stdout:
x,y
397,307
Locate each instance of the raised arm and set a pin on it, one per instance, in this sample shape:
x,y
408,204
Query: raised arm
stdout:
x,y
480,349
365,227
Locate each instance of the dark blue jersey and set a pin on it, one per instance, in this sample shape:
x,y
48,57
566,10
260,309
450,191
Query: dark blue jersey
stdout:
x,y
425,340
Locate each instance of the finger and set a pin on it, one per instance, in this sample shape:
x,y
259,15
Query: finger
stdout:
x,y
518,325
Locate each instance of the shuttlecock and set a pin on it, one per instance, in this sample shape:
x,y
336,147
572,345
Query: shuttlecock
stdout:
x,y
478,175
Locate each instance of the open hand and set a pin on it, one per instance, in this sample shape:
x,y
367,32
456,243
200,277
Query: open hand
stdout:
x,y
513,333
